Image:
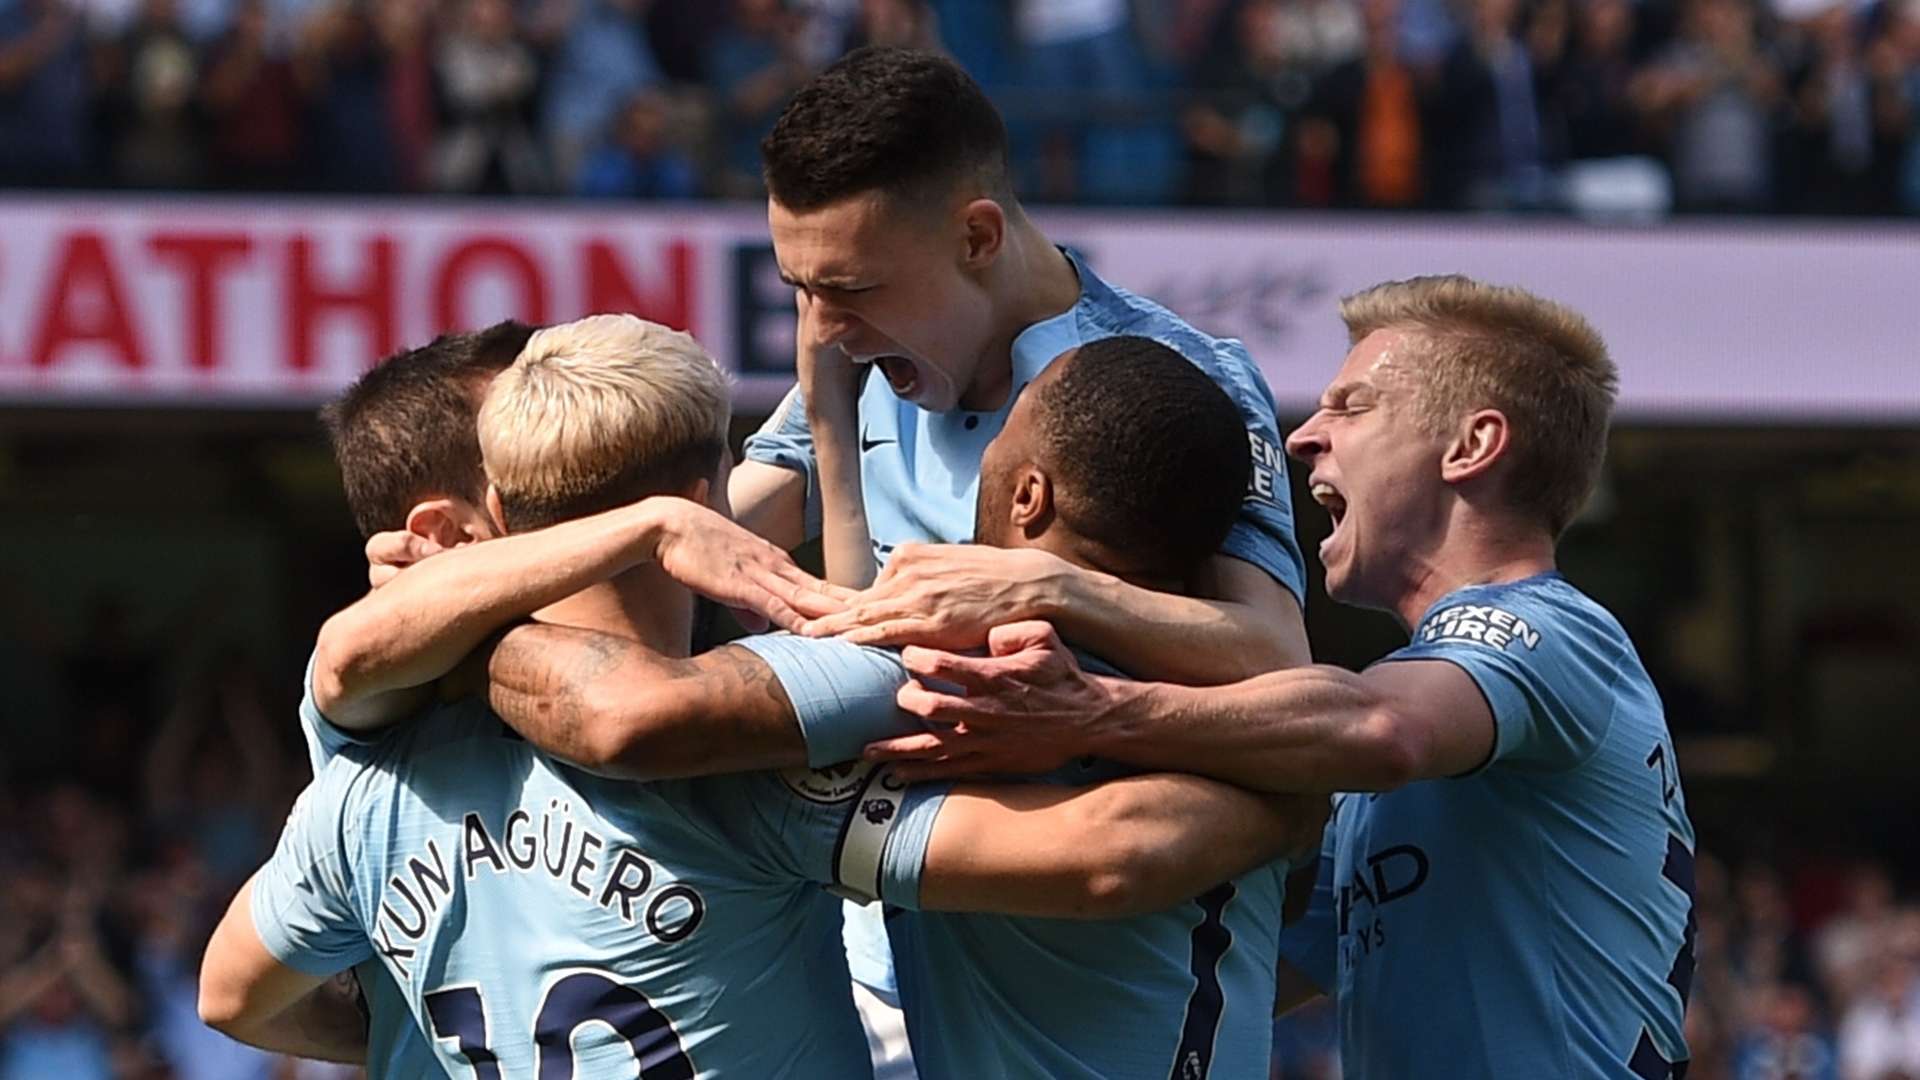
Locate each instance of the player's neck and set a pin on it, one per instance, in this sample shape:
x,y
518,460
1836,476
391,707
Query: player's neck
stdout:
x,y
1478,553
642,605
1031,282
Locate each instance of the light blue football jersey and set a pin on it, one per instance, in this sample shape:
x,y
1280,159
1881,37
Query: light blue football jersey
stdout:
x,y
1533,918
539,921
1184,993
920,470
395,1048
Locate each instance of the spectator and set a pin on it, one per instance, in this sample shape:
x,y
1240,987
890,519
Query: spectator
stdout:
x,y
346,71
642,160
43,95
487,79
1485,149
61,999
1366,144
1788,1042
602,62
900,24
1714,94
1084,124
1846,124
1252,91
1880,1035
253,104
154,71
1587,85
753,67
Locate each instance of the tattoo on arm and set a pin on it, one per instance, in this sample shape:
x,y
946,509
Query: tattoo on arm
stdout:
x,y
547,680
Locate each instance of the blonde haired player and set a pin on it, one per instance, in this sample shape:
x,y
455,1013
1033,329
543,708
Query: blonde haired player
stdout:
x,y
1515,897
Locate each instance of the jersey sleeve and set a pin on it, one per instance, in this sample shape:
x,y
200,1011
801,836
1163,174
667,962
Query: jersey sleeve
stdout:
x,y
842,694
1310,944
785,440
855,828
1264,533
323,737
303,905
1546,673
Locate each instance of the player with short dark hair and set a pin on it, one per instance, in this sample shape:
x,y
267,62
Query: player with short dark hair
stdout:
x,y
893,216
890,120
1147,458
1514,894
424,397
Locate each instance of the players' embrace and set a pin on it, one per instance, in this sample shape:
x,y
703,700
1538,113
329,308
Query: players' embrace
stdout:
x,y
551,841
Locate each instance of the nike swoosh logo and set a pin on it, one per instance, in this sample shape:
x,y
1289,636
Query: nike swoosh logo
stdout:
x,y
867,444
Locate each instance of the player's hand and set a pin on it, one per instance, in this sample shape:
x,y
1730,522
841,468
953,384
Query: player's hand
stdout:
x,y
829,379
388,553
1025,708
946,596
719,559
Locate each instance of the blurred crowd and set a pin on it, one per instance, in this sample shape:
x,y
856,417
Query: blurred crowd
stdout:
x,y
138,792
1611,107
146,774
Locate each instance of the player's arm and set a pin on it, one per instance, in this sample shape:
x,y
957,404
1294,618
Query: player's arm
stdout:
x,y
1241,623
615,707
1121,848
770,501
1030,706
419,626
774,490
250,996
831,386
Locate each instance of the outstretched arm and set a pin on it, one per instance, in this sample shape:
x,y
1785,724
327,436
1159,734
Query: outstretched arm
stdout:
x,y
615,707
1242,623
1030,707
418,626
1126,847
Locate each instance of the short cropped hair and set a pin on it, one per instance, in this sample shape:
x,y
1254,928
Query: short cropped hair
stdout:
x,y
905,122
1148,455
601,412
404,431
1498,347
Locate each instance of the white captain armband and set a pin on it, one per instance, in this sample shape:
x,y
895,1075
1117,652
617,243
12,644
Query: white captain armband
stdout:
x,y
862,847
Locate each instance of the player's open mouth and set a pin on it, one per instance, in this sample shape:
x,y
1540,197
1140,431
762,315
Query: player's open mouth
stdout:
x,y
1324,494
900,373
1336,504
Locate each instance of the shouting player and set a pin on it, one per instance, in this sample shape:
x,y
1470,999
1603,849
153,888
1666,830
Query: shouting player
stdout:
x,y
1516,896
675,922
892,213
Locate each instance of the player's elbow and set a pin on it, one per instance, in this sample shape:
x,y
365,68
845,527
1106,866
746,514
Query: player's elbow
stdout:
x,y
628,732
224,1002
343,657
1129,863
1392,749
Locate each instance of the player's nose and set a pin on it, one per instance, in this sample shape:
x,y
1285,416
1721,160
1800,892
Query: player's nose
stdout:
x,y
1308,441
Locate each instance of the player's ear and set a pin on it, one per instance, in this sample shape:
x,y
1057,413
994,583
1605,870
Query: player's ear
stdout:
x,y
447,521
495,511
1031,509
1477,445
986,231
698,491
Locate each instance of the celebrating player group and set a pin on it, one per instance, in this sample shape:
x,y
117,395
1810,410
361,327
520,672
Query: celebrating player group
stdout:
x,y
1041,781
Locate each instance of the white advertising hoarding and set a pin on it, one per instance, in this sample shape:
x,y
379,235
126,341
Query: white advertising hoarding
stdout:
x,y
209,302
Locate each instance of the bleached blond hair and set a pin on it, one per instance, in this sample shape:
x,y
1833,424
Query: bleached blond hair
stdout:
x,y
1540,363
599,412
